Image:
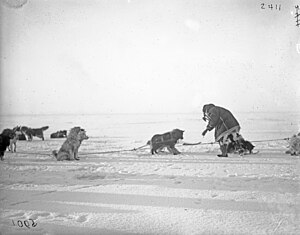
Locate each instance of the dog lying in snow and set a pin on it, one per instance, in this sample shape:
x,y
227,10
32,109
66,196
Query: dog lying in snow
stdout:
x,y
69,149
168,139
240,145
294,145
59,134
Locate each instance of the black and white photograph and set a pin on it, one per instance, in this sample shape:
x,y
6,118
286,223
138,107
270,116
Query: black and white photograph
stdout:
x,y
149,117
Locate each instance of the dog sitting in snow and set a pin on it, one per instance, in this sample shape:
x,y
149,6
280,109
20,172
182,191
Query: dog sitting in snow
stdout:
x,y
5,137
239,145
69,149
168,139
294,145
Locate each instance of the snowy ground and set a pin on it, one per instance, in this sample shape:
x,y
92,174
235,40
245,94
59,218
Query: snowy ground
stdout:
x,y
137,193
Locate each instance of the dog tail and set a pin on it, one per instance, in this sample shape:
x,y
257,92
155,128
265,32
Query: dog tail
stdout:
x,y
54,152
45,128
148,142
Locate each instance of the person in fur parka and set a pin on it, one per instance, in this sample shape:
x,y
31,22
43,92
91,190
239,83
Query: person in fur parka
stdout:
x,y
223,122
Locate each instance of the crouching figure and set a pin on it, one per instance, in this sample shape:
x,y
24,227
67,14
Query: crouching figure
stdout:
x,y
224,123
69,149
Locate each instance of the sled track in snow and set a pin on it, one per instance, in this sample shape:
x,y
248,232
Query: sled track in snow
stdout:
x,y
127,193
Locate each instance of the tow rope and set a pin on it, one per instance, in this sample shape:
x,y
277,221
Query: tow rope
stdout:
x,y
253,141
141,147
114,151
86,153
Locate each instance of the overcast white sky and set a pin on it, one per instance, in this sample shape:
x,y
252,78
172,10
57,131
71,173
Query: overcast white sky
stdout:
x,y
75,56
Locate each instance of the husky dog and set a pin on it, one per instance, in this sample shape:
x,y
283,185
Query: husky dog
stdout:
x,y
59,134
13,142
30,132
239,145
69,149
294,145
168,139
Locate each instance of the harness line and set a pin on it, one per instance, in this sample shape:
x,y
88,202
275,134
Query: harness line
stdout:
x,y
86,153
141,147
253,141
114,151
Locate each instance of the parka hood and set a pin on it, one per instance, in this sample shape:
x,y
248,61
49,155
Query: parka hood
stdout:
x,y
207,107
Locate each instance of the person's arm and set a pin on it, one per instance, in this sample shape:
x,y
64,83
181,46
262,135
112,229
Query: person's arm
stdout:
x,y
213,120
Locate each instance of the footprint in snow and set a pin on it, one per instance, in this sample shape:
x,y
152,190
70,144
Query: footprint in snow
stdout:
x,y
17,203
199,201
81,219
17,215
37,215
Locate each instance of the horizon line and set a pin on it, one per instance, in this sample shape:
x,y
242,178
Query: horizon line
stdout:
x,y
131,113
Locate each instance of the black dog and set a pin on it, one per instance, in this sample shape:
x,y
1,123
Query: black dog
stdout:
x,y
168,139
59,134
247,145
240,145
5,137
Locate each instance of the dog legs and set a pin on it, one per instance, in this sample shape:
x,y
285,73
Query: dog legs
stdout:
x,y
61,156
12,147
15,147
173,150
41,136
70,155
76,157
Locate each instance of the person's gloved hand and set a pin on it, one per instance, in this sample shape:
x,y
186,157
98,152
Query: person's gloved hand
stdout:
x,y
204,132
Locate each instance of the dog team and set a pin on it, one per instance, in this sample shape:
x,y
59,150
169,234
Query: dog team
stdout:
x,y
227,134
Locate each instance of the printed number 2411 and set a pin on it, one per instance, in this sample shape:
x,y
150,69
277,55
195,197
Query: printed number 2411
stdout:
x,y
270,6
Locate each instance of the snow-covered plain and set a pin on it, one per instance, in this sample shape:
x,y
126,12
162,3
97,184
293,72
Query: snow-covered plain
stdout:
x,y
134,192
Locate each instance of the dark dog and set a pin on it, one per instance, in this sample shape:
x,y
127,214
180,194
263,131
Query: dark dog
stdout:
x,y
294,145
5,138
59,134
13,142
247,145
21,136
30,132
168,139
19,133
240,145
